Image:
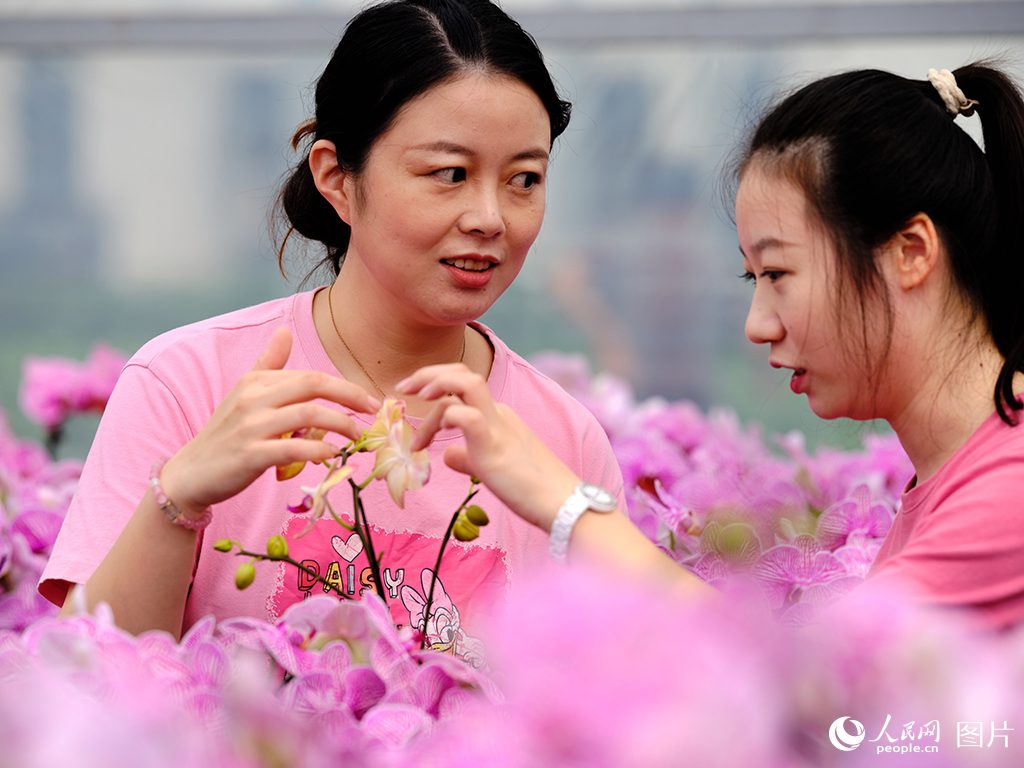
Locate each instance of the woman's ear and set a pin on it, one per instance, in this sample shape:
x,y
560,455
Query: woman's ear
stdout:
x,y
914,251
330,178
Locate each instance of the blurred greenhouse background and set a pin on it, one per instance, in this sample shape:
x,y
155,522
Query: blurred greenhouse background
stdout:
x,y
141,143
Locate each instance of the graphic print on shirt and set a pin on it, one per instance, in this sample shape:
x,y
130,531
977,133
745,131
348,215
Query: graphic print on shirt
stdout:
x,y
472,584
444,629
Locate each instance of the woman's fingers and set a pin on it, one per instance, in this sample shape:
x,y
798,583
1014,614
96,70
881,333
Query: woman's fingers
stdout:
x,y
278,421
274,389
440,382
500,448
436,381
457,457
276,354
431,424
242,439
268,384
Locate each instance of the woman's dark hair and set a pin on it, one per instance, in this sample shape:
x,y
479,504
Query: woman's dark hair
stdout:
x,y
388,55
870,150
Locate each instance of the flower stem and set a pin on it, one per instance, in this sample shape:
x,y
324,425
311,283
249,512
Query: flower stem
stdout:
x,y
363,531
53,438
285,559
440,552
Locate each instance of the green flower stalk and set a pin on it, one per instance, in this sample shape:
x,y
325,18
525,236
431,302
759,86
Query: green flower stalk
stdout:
x,y
390,438
461,513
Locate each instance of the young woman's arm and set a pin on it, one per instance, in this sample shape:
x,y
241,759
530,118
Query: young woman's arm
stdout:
x,y
146,574
521,471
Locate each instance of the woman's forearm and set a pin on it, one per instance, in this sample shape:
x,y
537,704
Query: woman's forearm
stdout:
x,y
146,574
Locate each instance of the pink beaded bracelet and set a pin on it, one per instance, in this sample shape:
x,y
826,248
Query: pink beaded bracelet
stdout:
x,y
170,509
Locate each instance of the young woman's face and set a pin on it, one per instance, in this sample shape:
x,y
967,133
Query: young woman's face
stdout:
x,y
790,261
451,198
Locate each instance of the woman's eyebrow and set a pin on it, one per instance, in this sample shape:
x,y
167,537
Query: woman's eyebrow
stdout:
x,y
446,147
533,154
451,148
768,242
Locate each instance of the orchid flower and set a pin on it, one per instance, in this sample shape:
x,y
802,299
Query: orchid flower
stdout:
x,y
396,463
376,437
318,496
288,471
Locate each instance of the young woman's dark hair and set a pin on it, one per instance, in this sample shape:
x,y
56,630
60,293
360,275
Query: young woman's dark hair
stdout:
x,y
870,150
388,55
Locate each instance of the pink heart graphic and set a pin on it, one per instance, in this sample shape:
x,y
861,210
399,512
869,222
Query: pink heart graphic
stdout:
x,y
348,549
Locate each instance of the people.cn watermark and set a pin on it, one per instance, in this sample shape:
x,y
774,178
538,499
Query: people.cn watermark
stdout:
x,y
847,734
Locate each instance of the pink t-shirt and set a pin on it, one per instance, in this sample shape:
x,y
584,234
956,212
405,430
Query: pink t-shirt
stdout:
x,y
958,538
166,395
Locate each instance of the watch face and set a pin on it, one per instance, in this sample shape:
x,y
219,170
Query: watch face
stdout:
x,y
601,499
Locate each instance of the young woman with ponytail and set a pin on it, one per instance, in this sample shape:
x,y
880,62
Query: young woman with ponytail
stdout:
x,y
884,249
422,176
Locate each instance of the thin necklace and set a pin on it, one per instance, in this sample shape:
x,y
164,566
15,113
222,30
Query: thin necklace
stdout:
x,y
330,306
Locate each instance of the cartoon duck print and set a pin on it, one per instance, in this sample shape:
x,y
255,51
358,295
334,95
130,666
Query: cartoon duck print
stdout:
x,y
444,630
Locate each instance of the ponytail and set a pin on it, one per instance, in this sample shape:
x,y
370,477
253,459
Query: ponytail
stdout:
x,y
1001,110
307,211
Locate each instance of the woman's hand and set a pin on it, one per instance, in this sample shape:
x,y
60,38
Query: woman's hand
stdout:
x,y
242,439
500,449
531,481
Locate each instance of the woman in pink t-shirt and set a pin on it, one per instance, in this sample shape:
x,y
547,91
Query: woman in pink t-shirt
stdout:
x,y
423,176
884,249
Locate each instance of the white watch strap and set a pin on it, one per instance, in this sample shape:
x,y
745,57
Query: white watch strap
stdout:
x,y
565,520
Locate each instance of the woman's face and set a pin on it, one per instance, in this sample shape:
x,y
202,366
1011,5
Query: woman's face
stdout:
x,y
451,198
790,261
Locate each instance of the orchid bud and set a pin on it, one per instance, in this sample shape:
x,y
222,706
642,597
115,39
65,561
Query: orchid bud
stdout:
x,y
277,547
288,471
223,545
464,530
244,575
476,515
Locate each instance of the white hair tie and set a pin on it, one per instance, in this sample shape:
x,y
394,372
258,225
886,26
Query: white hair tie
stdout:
x,y
956,103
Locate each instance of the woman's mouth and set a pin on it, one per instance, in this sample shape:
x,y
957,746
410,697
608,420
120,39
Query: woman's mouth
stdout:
x,y
469,273
470,265
797,382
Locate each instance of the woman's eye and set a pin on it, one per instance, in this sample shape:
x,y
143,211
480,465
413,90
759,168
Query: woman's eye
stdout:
x,y
451,175
771,274
525,180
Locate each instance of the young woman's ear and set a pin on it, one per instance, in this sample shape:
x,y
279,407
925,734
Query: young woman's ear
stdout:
x,y
914,251
330,178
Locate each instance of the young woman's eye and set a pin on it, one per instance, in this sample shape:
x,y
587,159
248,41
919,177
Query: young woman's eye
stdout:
x,y
451,175
525,180
771,274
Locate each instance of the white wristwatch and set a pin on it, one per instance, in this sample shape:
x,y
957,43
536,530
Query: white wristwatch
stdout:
x,y
586,496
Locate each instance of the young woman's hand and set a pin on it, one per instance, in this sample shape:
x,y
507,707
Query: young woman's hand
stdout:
x,y
243,436
500,449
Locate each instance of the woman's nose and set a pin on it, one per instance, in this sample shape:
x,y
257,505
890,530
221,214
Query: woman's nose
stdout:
x,y
484,215
763,324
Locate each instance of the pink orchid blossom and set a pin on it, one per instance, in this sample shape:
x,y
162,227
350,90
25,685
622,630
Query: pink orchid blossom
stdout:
x,y
858,514
785,572
54,388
